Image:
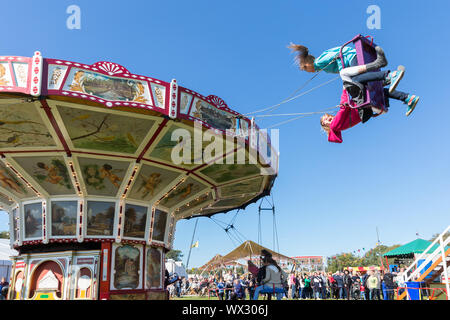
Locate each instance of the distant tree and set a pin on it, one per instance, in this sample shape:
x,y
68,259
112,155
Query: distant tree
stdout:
x,y
175,255
434,236
4,235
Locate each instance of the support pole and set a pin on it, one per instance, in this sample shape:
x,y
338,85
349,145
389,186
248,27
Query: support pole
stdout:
x,y
190,247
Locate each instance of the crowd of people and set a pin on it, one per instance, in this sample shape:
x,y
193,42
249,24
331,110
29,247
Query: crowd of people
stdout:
x,y
270,279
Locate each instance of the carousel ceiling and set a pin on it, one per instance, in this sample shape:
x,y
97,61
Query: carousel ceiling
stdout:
x,y
69,129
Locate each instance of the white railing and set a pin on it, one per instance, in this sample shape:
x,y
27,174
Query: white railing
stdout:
x,y
433,255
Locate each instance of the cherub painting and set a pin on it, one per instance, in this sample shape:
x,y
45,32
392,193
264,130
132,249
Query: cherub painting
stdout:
x,y
149,184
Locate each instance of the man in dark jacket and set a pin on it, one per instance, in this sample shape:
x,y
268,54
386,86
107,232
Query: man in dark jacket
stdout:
x,y
340,284
388,280
347,279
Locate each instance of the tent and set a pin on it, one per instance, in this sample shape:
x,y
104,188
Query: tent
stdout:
x,y
216,261
177,267
410,249
250,249
5,262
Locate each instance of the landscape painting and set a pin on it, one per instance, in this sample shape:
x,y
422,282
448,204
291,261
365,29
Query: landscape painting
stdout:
x,y
135,221
100,218
64,218
243,187
33,220
222,173
159,225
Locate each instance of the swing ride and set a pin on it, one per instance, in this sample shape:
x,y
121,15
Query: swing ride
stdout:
x,y
88,178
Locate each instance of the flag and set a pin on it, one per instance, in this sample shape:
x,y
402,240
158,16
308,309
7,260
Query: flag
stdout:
x,y
195,245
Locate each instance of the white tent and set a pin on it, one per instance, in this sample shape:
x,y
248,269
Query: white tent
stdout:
x,y
176,267
5,262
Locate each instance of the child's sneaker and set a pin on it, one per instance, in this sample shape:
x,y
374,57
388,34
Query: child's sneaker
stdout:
x,y
411,101
395,77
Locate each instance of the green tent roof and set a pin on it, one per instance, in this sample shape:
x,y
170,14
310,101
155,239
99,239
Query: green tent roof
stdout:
x,y
416,246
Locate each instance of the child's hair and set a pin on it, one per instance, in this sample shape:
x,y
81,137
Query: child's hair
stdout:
x,y
302,54
325,127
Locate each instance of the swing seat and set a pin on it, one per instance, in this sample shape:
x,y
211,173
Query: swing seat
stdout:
x,y
365,53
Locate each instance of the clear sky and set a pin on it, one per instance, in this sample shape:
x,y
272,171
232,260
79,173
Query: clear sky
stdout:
x,y
392,172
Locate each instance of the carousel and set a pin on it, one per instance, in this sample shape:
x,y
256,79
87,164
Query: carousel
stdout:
x,y
90,177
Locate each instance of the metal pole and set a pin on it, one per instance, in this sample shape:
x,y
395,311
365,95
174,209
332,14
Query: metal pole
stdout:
x,y
190,247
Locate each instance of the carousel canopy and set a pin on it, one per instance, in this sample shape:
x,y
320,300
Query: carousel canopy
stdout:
x,y
413,247
251,249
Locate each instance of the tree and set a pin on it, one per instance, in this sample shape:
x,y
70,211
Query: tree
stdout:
x,y
4,235
434,236
175,255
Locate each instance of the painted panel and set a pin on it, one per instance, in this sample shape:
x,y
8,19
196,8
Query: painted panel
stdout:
x,y
56,75
5,75
100,218
185,102
233,202
127,264
222,173
183,192
153,272
21,73
150,181
50,172
218,119
10,182
64,218
159,225
21,126
108,88
6,200
33,220
159,92
244,187
135,221
104,131
102,177
196,202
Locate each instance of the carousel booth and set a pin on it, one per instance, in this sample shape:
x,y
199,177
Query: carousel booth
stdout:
x,y
90,181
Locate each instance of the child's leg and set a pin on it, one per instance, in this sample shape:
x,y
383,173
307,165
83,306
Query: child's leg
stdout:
x,y
370,76
380,62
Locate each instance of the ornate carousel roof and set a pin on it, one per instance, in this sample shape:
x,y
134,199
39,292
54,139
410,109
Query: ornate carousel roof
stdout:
x,y
98,131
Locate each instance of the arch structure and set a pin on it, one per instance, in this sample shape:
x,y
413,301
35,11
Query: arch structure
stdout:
x,y
91,177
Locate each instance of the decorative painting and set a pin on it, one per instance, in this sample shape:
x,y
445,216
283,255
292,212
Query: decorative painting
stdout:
x,y
159,92
50,172
185,102
233,202
159,225
21,73
21,126
64,218
11,183
222,173
100,218
150,181
33,220
135,221
196,202
56,75
213,116
243,187
102,177
183,192
127,263
104,131
153,274
108,88
5,75
6,200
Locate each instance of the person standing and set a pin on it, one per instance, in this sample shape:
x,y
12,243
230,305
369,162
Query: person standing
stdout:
x,y
372,284
347,279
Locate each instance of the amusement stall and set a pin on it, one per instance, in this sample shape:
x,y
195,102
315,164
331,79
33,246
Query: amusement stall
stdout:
x,y
90,182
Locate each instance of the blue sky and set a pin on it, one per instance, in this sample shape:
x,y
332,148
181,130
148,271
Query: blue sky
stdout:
x,y
392,172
